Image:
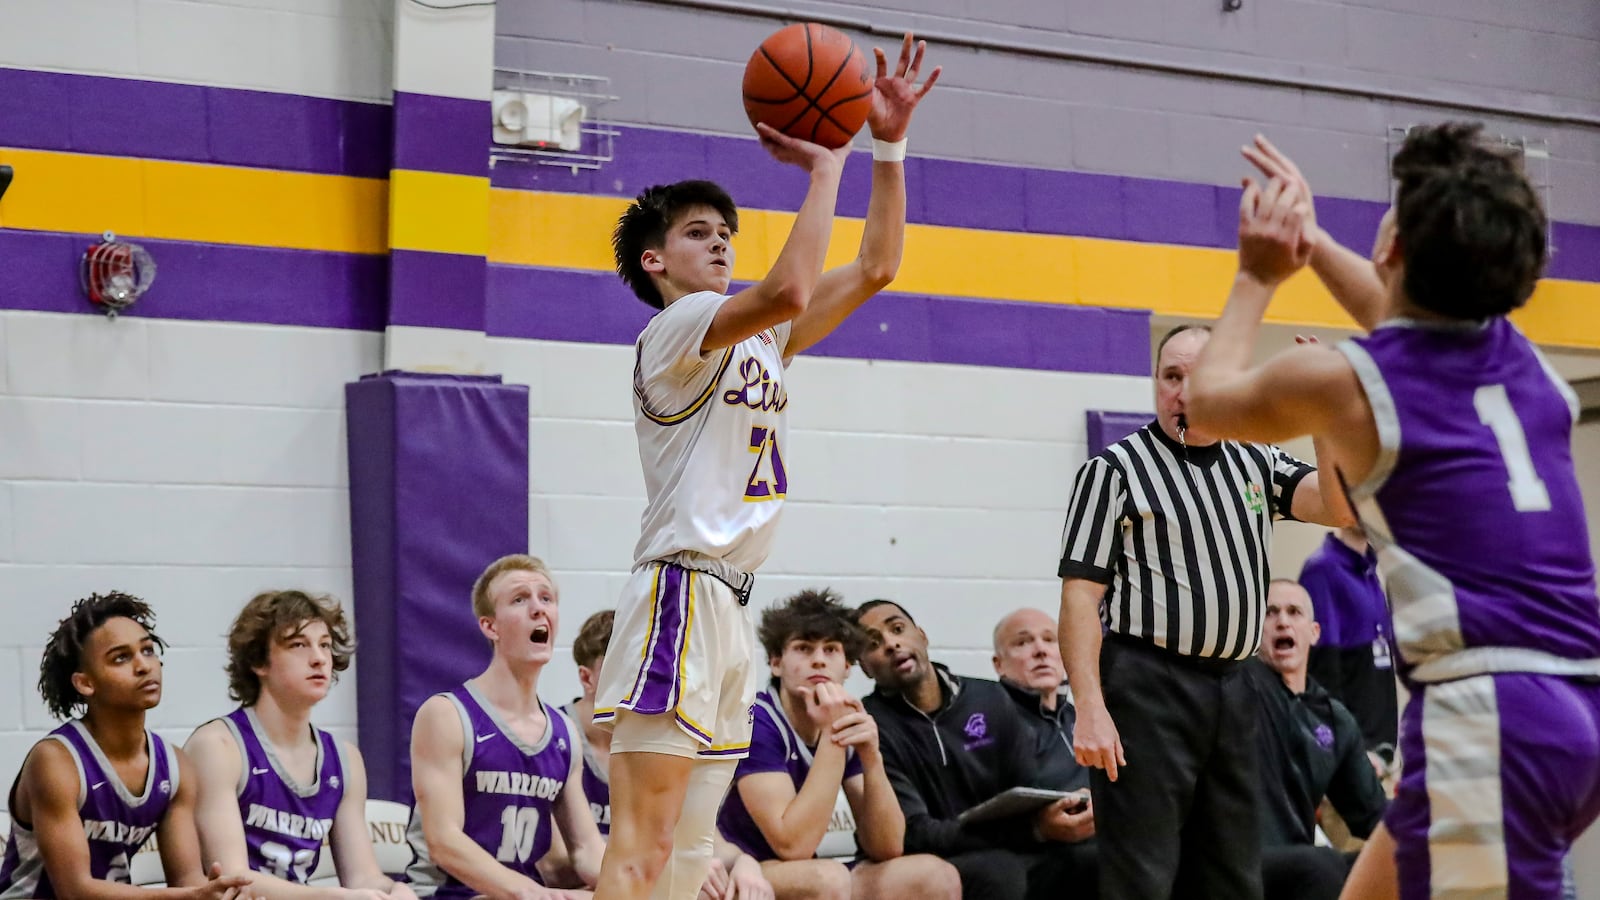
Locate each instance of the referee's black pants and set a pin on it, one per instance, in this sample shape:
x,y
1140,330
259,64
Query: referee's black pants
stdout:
x,y
1181,819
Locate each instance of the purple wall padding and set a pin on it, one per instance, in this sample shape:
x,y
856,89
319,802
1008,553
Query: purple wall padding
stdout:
x,y
1106,428
438,490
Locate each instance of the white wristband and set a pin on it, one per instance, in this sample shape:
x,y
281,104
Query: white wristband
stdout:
x,y
889,151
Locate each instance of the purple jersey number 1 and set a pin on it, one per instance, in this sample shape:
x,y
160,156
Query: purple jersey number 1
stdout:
x,y
760,489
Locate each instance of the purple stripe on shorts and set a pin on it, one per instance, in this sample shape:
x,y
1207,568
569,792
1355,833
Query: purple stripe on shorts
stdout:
x,y
694,732
728,751
658,690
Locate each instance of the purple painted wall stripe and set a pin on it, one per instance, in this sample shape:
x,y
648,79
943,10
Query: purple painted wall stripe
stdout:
x,y
1106,427
206,282
441,134
191,123
229,126
983,195
437,290
593,307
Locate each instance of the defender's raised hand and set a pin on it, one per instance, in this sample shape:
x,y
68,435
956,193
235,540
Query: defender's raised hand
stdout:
x,y
1272,237
1274,163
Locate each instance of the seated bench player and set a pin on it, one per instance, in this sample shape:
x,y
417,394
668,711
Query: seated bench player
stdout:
x,y
494,768
810,739
274,787
95,789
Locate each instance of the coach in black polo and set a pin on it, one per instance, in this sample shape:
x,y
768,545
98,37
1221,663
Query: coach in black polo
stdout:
x,y
1166,545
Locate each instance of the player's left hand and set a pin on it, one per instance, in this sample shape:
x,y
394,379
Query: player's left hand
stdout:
x,y
715,886
1272,239
895,97
745,881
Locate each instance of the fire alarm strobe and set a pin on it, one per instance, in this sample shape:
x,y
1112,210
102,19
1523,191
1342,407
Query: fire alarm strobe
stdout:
x,y
116,273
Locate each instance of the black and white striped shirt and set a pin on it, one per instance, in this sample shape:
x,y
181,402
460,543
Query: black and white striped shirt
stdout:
x,y
1182,537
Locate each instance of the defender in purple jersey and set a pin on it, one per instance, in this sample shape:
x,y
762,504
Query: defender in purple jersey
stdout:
x,y
95,789
495,769
1453,437
274,789
814,755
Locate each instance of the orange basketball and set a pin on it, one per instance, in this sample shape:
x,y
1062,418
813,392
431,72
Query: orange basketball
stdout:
x,y
809,81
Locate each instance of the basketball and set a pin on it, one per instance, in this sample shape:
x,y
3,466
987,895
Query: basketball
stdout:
x,y
811,82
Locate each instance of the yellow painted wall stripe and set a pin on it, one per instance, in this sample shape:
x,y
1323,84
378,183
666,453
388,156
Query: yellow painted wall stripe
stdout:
x,y
573,231
195,202
76,192
439,212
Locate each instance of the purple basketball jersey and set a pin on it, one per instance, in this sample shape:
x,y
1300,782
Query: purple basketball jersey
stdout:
x,y
509,792
774,747
285,822
596,779
115,821
1473,505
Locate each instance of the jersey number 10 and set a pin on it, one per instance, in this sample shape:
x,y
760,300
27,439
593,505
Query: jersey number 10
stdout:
x,y
519,825
1528,493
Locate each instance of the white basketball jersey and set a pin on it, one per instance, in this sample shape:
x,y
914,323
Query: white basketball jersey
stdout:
x,y
712,434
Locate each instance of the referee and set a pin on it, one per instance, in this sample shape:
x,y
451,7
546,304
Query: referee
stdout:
x,y
1166,545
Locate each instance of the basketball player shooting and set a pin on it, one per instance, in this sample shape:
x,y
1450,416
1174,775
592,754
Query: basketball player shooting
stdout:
x,y
710,415
1454,439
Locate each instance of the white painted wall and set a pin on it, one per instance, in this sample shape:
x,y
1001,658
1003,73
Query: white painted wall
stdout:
x,y
195,464
323,48
192,464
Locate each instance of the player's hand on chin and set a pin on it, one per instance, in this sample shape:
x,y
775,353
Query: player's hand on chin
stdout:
x,y
796,152
895,96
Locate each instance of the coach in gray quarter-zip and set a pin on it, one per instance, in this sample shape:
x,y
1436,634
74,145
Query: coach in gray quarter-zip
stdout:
x,y
950,742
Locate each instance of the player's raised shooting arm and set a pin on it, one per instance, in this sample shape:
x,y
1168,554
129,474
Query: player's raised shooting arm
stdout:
x,y
1351,279
841,291
1348,276
1301,391
784,293
437,745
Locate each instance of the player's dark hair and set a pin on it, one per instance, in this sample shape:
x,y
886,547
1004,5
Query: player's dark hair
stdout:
x,y
279,616
811,615
873,604
645,223
594,638
63,652
1470,226
1175,331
